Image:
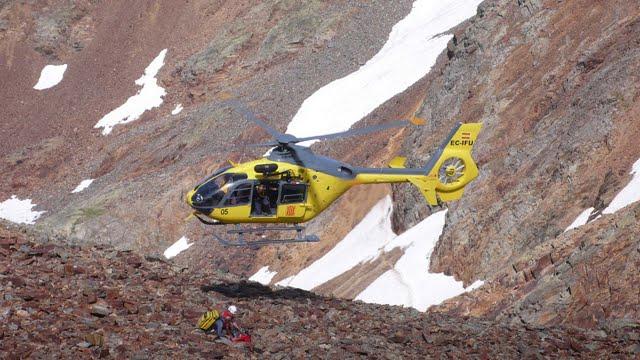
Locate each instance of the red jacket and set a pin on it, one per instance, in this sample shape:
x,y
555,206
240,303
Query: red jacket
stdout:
x,y
228,320
227,315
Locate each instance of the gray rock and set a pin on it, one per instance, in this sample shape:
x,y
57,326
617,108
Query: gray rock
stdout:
x,y
633,349
100,310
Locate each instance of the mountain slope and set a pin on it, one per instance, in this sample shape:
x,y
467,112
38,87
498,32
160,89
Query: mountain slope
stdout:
x,y
84,301
554,84
256,52
559,121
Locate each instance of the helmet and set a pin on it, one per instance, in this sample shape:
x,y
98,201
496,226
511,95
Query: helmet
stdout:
x,y
233,309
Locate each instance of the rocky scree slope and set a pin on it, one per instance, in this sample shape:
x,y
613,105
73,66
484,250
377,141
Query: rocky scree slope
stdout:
x,y
96,301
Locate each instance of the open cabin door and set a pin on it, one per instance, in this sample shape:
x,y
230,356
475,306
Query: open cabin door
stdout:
x,y
292,201
264,199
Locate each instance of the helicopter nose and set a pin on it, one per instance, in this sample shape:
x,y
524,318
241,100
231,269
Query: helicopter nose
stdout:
x,y
190,197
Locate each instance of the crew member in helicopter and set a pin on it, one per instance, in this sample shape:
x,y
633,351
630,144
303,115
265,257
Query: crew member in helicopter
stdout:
x,y
262,201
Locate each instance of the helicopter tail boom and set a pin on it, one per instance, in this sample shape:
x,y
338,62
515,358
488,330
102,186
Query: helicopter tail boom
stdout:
x,y
446,174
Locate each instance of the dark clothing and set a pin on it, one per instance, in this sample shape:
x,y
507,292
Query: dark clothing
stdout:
x,y
263,205
218,325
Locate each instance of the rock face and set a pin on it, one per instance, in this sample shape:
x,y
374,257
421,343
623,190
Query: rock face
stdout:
x,y
586,277
555,85
154,308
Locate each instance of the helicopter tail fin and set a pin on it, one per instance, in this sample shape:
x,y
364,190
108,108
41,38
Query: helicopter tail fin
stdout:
x,y
451,167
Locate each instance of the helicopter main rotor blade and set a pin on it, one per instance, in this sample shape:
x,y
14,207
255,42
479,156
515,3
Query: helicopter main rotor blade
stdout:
x,y
234,147
266,144
362,131
288,139
249,115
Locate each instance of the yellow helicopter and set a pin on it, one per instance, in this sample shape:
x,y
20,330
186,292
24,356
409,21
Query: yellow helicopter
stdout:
x,y
291,185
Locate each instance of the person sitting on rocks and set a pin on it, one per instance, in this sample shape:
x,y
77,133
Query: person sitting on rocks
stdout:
x,y
226,324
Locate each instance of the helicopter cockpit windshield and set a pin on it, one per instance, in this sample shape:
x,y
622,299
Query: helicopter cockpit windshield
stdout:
x,y
208,194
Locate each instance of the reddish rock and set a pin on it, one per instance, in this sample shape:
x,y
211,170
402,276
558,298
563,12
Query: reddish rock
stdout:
x,y
31,294
17,281
112,294
71,269
134,261
7,242
91,298
131,307
95,339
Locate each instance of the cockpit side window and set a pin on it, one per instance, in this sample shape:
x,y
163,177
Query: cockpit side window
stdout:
x,y
209,194
293,193
225,179
216,173
241,195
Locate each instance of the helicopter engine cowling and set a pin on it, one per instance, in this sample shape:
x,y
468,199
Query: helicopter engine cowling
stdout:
x,y
266,168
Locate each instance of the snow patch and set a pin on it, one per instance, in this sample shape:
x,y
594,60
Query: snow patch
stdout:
x,y
177,109
410,283
388,289
580,220
83,185
263,276
19,211
629,194
408,55
476,284
147,98
285,282
361,244
178,247
50,76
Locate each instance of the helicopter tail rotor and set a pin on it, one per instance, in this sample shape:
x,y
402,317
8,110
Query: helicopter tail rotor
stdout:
x,y
451,167
455,168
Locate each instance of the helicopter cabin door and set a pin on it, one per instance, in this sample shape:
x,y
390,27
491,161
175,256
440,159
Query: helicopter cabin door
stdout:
x,y
264,202
292,201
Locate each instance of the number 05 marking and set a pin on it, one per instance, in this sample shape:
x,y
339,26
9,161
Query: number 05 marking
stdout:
x,y
224,211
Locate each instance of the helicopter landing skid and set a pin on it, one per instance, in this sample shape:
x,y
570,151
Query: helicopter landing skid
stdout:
x,y
262,241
